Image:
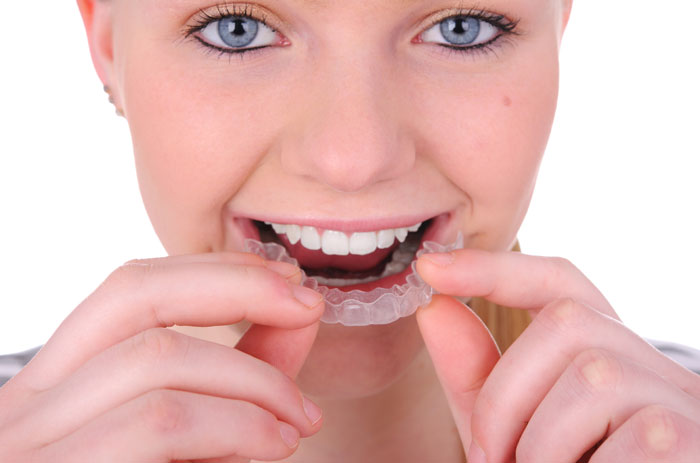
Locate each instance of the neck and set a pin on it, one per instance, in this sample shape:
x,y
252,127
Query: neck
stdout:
x,y
409,422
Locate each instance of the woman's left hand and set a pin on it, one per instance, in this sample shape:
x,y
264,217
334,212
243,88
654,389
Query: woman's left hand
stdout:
x,y
577,385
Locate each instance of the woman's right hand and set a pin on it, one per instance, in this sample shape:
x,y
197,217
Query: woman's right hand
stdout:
x,y
113,384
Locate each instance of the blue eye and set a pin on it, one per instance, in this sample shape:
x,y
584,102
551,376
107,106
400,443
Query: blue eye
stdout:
x,y
459,31
235,30
232,32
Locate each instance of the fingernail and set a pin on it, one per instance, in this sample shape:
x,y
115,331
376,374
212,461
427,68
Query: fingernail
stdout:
x,y
306,296
476,455
283,268
441,259
313,411
289,433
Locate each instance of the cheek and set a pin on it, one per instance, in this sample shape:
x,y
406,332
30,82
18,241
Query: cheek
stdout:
x,y
507,141
195,143
494,139
488,136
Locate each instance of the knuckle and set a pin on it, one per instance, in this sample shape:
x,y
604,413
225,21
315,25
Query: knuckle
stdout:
x,y
156,344
162,412
564,316
656,431
129,275
561,263
598,371
559,268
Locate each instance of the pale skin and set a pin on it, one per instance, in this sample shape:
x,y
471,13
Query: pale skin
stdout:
x,y
273,135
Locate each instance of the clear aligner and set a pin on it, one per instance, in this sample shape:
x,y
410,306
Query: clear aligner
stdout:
x,y
360,308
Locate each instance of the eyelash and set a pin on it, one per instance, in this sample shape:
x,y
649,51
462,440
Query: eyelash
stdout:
x,y
499,21
204,18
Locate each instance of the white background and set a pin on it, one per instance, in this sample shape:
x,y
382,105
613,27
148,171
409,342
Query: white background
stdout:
x,y
617,191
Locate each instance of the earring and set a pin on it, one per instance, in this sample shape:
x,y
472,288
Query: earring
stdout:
x,y
111,100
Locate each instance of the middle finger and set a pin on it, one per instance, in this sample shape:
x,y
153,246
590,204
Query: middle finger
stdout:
x,y
162,359
531,366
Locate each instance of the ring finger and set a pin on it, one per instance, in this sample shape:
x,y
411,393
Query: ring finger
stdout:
x,y
166,425
596,394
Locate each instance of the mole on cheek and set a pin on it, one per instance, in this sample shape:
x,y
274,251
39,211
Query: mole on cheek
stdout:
x,y
507,101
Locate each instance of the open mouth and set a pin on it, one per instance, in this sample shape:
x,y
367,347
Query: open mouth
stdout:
x,y
340,259
367,277
350,260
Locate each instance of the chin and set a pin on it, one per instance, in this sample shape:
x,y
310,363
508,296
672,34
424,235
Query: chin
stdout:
x,y
348,362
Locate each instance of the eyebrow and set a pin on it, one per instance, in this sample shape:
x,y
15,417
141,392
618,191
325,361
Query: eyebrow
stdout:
x,y
319,4
312,4
324,3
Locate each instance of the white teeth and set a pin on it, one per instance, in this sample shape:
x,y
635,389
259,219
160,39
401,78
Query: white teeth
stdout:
x,y
364,243
401,234
293,233
337,243
310,238
385,238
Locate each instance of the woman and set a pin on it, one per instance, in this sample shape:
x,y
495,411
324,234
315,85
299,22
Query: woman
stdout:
x,y
334,134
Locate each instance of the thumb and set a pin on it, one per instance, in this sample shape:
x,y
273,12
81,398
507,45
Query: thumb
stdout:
x,y
463,353
282,348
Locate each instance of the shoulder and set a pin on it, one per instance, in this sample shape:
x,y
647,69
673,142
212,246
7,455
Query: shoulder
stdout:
x,y
10,364
686,356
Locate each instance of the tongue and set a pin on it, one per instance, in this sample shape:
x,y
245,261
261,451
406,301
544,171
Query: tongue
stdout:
x,y
317,260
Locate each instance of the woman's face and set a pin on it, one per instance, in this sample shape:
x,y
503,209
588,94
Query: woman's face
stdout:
x,y
355,117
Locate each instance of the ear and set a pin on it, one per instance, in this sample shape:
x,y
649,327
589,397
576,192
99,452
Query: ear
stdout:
x,y
565,14
97,18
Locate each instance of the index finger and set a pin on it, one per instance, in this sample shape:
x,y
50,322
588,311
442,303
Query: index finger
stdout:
x,y
195,291
511,279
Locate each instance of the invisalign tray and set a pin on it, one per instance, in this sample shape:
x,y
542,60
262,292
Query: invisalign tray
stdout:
x,y
360,308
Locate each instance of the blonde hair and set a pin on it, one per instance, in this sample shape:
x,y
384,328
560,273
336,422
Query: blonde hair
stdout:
x,y
505,324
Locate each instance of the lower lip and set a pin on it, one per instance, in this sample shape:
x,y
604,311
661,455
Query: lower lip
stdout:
x,y
438,231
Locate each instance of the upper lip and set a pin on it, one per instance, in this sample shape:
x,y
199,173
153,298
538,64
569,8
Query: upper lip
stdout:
x,y
350,226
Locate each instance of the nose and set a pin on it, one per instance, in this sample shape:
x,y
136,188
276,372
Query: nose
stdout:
x,y
348,135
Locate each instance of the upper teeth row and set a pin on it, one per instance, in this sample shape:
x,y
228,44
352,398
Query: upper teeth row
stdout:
x,y
337,243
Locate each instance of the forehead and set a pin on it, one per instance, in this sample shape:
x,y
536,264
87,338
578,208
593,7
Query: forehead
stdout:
x,y
325,4
529,13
